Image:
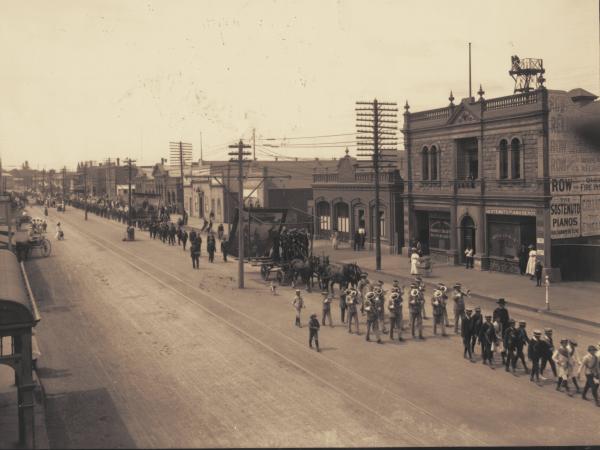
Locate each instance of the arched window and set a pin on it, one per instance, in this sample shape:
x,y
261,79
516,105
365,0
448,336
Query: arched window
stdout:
x,y
425,164
515,158
434,163
503,159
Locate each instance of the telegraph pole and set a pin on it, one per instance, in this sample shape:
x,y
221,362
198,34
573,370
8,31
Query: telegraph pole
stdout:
x,y
85,196
240,153
254,144
181,151
129,161
376,126
64,187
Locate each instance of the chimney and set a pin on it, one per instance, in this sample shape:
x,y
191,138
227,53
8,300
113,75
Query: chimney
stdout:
x,y
118,161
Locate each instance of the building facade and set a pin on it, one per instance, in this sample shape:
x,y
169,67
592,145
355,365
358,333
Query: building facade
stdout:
x,y
344,201
483,174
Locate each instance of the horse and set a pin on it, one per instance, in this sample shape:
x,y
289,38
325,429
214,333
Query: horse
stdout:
x,y
304,269
343,275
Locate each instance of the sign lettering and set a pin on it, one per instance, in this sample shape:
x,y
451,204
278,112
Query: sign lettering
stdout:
x,y
565,215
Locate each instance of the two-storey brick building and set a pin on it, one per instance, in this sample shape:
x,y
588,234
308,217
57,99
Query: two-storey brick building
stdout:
x,y
480,173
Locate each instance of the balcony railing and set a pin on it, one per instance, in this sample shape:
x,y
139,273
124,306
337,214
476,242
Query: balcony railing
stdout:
x,y
440,113
510,101
325,178
361,177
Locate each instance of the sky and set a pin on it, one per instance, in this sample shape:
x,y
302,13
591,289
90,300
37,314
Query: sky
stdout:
x,y
90,80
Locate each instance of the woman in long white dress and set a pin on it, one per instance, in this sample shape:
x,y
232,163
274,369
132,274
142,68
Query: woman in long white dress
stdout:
x,y
531,262
414,259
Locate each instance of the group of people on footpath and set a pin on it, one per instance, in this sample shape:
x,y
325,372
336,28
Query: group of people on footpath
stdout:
x,y
495,333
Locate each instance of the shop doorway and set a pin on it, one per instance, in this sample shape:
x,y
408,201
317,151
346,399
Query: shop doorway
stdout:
x,y
342,220
467,227
422,228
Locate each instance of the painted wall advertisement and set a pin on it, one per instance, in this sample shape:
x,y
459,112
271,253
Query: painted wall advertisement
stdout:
x,y
590,215
565,216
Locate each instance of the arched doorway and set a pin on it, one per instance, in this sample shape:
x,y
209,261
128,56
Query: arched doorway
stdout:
x,y
467,227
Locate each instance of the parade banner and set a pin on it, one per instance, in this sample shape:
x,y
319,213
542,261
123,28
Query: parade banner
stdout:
x,y
590,215
565,216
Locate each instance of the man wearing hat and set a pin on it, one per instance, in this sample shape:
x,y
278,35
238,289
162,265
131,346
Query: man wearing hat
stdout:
x,y
421,287
534,351
477,322
414,308
363,287
501,315
590,368
547,353
371,311
438,312
352,303
395,309
459,306
521,341
326,308
298,304
563,360
467,331
510,346
444,290
313,331
380,304
343,304
487,337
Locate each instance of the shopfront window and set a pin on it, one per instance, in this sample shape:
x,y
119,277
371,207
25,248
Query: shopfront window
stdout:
x,y
439,231
507,233
324,216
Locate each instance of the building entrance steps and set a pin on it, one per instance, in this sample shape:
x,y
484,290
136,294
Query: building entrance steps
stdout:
x,y
576,300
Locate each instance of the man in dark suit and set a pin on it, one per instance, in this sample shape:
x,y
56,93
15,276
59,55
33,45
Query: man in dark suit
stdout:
x,y
477,322
467,332
487,337
521,341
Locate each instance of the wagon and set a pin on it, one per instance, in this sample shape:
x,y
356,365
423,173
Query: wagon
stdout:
x,y
39,242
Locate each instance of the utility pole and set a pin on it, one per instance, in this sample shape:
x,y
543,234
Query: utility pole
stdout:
x,y
181,151
376,127
240,153
129,161
254,144
85,196
64,185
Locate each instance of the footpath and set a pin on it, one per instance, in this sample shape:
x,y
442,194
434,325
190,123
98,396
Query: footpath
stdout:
x,y
577,301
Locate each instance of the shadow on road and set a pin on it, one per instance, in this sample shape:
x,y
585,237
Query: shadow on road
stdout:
x,y
85,419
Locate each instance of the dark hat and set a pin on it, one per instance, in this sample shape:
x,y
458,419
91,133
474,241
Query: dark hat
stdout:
x,y
488,316
501,301
564,340
418,277
313,315
573,343
478,308
457,285
468,310
325,293
363,275
547,330
591,348
511,321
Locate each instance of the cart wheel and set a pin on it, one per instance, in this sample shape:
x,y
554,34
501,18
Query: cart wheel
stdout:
x,y
264,272
46,247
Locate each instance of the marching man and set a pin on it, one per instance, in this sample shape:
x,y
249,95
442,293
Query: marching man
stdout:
x,y
326,308
352,302
371,310
395,309
313,331
414,307
298,304
438,312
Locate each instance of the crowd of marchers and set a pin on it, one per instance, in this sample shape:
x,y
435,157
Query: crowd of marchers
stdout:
x,y
495,334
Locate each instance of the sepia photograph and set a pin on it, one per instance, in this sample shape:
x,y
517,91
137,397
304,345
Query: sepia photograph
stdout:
x,y
299,224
